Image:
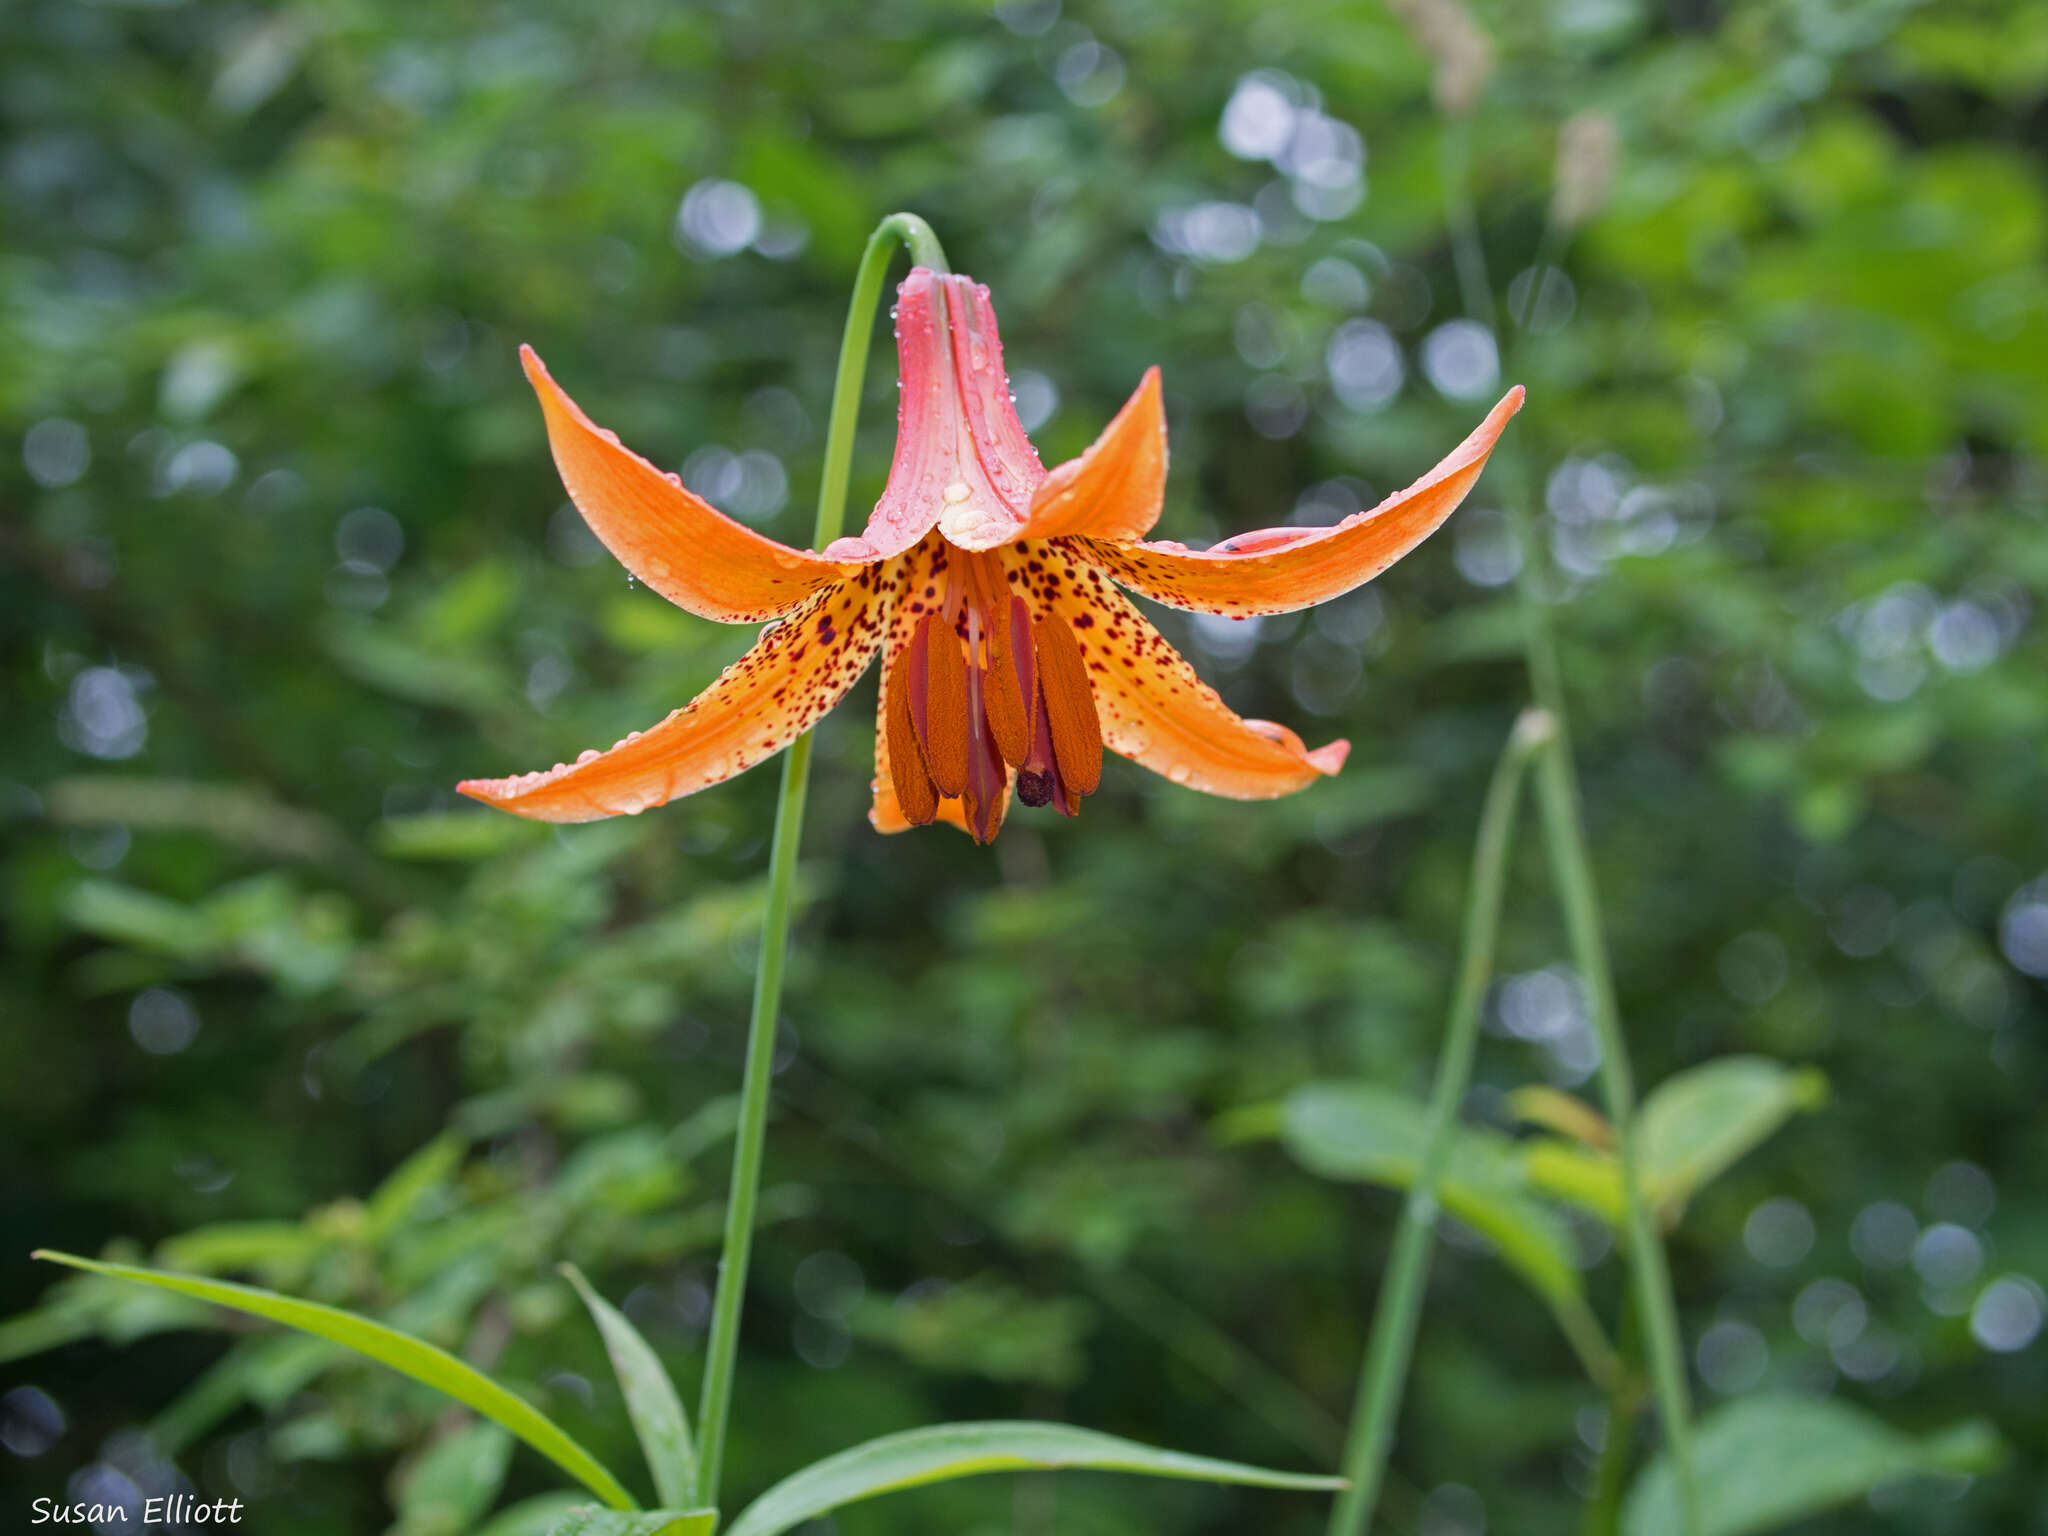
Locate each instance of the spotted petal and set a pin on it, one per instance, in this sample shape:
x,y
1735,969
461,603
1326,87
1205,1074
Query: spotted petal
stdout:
x,y
1113,490
796,672
676,542
1154,709
1278,570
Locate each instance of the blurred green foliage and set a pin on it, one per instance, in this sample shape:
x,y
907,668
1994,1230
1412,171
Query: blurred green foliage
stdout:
x,y
283,557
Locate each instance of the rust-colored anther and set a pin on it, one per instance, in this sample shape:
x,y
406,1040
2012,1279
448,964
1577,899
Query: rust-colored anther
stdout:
x,y
1069,707
915,795
945,725
1009,701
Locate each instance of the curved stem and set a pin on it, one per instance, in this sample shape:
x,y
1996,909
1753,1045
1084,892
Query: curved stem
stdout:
x,y
1624,1407
1557,792
715,1408
1400,1305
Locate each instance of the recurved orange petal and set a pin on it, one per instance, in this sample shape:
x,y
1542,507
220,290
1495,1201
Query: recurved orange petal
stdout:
x,y
796,672
1277,570
1115,488
1154,709
676,542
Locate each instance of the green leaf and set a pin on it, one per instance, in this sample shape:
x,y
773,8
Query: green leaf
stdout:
x,y
446,1490
588,1520
1696,1125
1357,1131
1761,1462
537,1516
411,1181
403,1353
656,1411
946,1451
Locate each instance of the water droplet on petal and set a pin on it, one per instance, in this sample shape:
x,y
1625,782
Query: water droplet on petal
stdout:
x,y
1180,773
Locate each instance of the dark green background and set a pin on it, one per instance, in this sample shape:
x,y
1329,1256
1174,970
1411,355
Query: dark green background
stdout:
x,y
265,266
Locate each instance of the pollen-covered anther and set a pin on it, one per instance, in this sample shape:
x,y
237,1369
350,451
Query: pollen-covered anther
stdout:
x,y
944,730
916,795
1066,751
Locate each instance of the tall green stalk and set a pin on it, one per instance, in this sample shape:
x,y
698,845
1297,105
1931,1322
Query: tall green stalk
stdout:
x,y
1400,1302
1557,792
715,1410
1557,795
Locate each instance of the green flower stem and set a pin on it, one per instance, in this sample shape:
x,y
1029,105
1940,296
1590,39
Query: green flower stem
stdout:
x,y
1400,1304
715,1410
1624,1407
1557,793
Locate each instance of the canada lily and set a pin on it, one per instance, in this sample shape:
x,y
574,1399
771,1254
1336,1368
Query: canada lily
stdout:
x,y
1009,657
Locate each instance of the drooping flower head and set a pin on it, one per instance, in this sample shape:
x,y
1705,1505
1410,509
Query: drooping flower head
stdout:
x,y
989,586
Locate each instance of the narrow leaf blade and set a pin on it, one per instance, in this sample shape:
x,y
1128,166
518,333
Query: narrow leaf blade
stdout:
x,y
403,1353
657,1413
947,1451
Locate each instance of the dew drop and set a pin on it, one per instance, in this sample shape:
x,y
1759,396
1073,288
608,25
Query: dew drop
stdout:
x,y
1180,773
587,755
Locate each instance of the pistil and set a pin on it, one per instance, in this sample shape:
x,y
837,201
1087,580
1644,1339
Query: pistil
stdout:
x,y
982,689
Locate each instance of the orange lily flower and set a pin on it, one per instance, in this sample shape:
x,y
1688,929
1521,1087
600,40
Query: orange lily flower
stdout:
x,y
988,585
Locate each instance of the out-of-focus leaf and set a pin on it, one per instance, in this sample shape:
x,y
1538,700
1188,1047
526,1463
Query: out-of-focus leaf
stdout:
x,y
275,1247
1555,1110
984,1327
657,1413
263,1371
123,915
588,1520
447,1489
451,836
1693,1128
1763,1462
1363,1132
968,1450
537,1516
409,1356
244,815
1696,1124
409,1183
